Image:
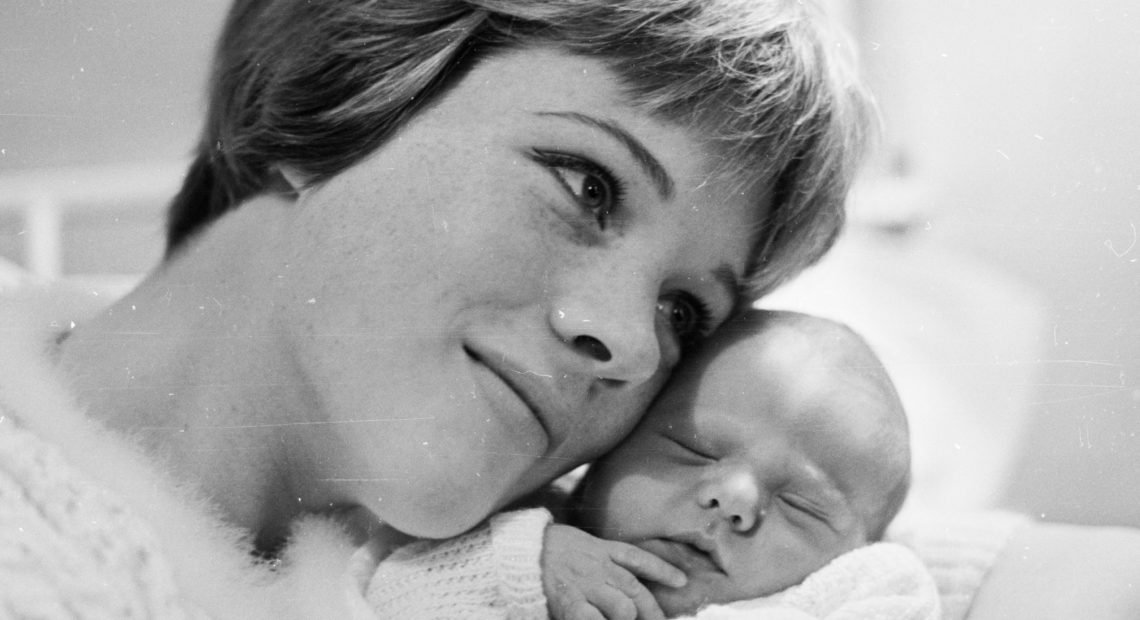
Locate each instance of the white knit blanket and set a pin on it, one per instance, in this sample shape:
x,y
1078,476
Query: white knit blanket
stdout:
x,y
883,581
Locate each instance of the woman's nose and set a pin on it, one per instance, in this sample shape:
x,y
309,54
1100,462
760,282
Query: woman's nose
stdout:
x,y
618,341
733,497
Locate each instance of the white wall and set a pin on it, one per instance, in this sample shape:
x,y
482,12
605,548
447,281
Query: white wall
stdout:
x,y
101,81
1023,122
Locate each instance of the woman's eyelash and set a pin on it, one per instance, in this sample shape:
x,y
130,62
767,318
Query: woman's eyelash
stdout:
x,y
600,199
689,317
702,322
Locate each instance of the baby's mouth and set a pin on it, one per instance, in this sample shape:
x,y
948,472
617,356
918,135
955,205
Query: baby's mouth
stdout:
x,y
688,553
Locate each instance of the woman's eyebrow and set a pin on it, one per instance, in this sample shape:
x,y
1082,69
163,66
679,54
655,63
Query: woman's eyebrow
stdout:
x,y
649,164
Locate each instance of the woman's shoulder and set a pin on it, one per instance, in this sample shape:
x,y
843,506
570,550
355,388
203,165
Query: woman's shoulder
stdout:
x,y
1056,570
76,501
995,564
67,545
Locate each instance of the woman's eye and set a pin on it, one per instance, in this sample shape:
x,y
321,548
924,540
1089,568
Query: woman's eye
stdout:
x,y
595,189
687,316
590,190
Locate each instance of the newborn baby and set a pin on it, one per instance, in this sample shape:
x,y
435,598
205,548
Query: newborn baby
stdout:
x,y
778,447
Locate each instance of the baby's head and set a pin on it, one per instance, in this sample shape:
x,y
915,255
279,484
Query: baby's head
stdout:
x,y
780,445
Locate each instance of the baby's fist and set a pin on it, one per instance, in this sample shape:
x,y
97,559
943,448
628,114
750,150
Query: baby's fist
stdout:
x,y
587,578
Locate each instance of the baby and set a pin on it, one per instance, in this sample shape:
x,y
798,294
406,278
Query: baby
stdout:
x,y
779,446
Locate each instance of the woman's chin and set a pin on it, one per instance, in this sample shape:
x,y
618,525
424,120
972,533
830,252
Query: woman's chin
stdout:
x,y
434,516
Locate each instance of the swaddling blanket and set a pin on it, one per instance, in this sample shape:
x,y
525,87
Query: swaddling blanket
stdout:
x,y
493,572
878,582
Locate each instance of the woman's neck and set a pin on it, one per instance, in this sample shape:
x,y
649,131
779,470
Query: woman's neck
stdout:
x,y
189,364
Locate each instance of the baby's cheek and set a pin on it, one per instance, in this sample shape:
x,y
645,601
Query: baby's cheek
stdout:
x,y
656,509
598,506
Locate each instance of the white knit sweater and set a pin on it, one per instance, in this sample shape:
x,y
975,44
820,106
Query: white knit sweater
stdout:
x,y
91,527
491,573
67,549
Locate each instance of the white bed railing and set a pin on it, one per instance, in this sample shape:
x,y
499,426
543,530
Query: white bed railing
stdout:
x,y
42,200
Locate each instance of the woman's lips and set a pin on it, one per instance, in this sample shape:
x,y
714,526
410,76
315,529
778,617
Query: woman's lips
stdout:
x,y
506,388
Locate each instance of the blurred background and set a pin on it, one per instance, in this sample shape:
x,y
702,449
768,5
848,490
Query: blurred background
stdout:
x,y
992,258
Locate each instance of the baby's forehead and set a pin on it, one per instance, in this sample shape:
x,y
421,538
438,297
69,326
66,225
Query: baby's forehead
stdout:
x,y
806,371
817,383
783,341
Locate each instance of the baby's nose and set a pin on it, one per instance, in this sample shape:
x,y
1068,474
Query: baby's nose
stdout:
x,y
735,498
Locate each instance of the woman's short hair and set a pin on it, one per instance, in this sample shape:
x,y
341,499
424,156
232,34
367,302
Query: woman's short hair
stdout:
x,y
318,86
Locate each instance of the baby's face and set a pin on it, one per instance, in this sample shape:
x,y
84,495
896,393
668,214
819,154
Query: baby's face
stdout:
x,y
747,475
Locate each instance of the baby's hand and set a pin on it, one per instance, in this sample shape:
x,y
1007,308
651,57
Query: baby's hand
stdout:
x,y
587,578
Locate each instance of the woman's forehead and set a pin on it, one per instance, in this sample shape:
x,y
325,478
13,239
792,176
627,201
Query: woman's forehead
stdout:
x,y
540,91
540,79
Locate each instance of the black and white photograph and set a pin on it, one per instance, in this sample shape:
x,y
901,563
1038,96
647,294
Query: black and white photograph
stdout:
x,y
569,309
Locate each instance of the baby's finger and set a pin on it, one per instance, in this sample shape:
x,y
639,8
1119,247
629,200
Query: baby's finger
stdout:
x,y
584,611
643,601
616,605
648,566
572,605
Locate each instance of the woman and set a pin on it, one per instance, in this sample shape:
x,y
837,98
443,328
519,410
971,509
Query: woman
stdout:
x,y
430,255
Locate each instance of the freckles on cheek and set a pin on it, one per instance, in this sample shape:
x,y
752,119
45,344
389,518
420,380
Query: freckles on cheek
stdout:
x,y
517,257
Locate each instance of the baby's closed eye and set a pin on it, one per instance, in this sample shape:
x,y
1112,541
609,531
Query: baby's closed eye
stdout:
x,y
803,505
687,449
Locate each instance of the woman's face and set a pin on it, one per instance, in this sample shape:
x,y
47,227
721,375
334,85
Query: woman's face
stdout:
x,y
494,296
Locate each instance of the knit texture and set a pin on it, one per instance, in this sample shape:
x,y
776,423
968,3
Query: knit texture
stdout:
x,y
91,526
69,550
934,571
491,573
882,581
